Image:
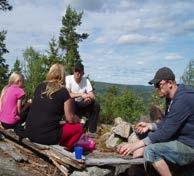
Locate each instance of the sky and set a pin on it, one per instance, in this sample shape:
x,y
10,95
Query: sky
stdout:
x,y
129,40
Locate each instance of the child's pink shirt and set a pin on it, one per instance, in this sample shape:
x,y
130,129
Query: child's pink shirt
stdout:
x,y
8,112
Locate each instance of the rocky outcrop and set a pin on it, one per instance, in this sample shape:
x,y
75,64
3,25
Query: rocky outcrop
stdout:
x,y
121,132
112,141
94,171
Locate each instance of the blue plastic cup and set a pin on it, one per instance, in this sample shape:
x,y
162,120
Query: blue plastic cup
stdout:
x,y
78,152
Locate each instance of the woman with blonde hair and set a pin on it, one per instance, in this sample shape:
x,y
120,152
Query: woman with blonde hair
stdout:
x,y
11,101
52,104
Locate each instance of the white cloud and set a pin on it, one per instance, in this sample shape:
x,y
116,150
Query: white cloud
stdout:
x,y
173,57
188,25
138,39
122,34
89,5
140,62
100,40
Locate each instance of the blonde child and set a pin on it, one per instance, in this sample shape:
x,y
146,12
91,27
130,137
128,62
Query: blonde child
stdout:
x,y
11,101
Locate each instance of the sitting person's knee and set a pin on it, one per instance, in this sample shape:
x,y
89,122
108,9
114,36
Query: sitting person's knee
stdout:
x,y
150,153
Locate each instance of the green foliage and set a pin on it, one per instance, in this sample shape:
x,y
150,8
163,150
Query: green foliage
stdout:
x,y
17,66
106,103
53,55
34,69
4,5
113,91
128,106
3,65
156,100
70,60
69,38
188,75
123,104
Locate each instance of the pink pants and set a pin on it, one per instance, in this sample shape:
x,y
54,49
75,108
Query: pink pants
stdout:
x,y
70,133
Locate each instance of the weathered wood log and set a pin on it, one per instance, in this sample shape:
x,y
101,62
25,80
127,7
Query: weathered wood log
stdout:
x,y
62,151
45,150
10,134
13,152
62,168
112,161
64,160
64,157
22,148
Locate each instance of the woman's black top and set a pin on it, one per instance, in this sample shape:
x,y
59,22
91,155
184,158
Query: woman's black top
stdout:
x,y
42,124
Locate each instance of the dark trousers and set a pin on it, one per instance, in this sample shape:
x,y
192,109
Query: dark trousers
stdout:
x,y
91,111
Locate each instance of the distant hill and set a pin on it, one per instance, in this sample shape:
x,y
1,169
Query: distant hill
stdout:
x,y
143,91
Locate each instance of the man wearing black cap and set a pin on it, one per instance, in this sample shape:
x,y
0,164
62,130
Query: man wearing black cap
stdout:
x,y
81,90
172,139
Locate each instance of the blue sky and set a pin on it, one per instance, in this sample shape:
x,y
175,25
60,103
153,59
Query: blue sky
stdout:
x,y
128,39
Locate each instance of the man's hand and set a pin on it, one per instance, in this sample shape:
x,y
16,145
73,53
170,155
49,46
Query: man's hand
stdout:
x,y
143,127
85,95
130,148
88,100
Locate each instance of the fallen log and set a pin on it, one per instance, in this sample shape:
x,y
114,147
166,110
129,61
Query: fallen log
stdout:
x,y
112,161
62,168
63,157
45,150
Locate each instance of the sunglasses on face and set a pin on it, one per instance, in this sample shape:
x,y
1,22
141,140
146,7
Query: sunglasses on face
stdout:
x,y
158,85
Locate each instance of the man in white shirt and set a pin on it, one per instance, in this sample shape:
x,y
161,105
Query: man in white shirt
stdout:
x,y
81,90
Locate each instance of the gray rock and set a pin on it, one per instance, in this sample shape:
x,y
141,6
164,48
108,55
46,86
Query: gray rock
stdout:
x,y
94,171
133,138
105,136
123,129
8,168
120,169
112,141
117,121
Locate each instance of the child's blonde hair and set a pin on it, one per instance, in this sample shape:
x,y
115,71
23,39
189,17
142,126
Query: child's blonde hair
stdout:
x,y
55,79
14,78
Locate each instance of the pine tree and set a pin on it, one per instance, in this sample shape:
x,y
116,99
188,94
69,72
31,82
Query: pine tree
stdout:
x,y
3,65
53,55
188,75
17,66
69,39
4,5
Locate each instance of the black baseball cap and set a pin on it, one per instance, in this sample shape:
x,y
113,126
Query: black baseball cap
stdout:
x,y
79,66
163,73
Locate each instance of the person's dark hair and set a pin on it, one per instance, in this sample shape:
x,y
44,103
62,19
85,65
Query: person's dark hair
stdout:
x,y
79,66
